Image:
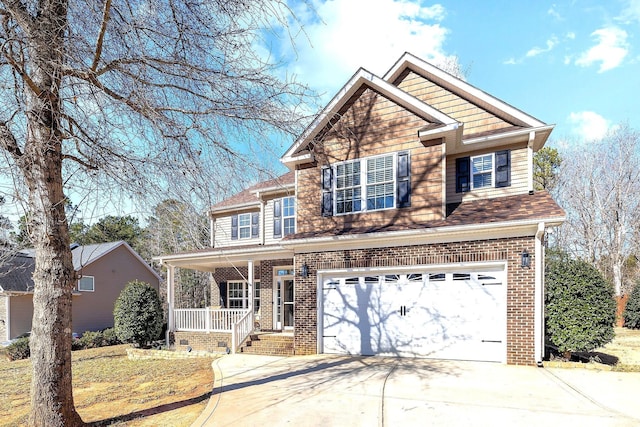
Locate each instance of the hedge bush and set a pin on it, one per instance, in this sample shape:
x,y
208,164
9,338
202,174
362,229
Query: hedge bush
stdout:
x,y
580,308
138,314
19,349
632,310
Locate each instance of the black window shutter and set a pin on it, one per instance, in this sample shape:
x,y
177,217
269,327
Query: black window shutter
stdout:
x,y
255,224
234,227
503,168
327,191
403,180
277,218
463,174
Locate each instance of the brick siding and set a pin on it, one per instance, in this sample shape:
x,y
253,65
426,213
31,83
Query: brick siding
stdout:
x,y
213,342
520,284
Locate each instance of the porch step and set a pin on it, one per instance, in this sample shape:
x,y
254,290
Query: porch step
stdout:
x,y
269,344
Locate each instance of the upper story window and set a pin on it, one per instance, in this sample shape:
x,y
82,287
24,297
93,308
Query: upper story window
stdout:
x,y
284,216
368,184
483,171
245,226
86,284
289,215
348,190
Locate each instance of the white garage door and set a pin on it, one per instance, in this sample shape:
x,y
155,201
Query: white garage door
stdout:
x,y
444,315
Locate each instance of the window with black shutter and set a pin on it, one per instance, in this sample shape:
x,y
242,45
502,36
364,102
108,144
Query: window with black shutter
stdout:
x,y
403,180
463,174
503,168
277,218
234,227
327,191
255,225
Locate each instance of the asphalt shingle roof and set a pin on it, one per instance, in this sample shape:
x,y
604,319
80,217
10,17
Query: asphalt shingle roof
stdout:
x,y
16,271
248,196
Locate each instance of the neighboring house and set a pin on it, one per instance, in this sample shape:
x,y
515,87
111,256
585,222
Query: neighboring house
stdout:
x,y
103,269
408,225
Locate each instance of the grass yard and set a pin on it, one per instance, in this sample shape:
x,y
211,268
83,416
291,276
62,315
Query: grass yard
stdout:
x,y
110,389
626,347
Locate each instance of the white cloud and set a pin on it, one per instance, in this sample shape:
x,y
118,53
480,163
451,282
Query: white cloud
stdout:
x,y
538,50
512,61
588,125
372,34
553,12
610,50
570,35
631,13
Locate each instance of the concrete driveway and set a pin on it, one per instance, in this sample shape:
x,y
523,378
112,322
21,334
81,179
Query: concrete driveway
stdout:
x,y
328,390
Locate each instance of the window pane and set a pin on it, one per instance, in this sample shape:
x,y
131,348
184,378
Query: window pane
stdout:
x,y
380,180
482,170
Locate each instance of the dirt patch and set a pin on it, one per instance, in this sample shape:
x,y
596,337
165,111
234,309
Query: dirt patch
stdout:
x,y
110,389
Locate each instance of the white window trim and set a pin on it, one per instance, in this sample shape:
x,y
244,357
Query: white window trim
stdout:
x,y
285,217
245,293
493,173
241,227
93,284
363,184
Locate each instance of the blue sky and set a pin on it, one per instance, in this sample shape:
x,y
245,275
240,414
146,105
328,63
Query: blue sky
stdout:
x,y
575,64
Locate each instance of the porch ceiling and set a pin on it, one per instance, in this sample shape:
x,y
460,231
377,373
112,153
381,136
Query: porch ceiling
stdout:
x,y
212,258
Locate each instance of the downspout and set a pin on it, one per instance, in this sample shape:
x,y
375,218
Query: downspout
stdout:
x,y
539,295
212,231
532,136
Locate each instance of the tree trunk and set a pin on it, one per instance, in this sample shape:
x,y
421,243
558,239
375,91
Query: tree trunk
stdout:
x,y
54,275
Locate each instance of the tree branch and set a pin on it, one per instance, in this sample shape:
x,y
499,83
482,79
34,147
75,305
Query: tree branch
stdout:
x,y
80,161
20,13
8,141
103,30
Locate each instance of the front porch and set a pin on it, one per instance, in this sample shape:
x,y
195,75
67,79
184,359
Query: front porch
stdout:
x,y
251,291
221,330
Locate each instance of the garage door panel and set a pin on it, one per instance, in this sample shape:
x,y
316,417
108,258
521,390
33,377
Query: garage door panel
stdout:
x,y
452,315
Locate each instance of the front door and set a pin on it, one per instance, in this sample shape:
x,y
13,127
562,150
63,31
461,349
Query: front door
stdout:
x,y
283,297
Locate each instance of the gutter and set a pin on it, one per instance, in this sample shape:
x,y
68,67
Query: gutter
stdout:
x,y
515,133
401,236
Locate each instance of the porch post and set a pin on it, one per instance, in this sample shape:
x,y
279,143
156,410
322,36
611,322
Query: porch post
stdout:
x,y
170,300
250,289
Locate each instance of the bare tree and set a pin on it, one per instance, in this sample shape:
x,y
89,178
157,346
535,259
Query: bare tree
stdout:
x,y
144,96
598,189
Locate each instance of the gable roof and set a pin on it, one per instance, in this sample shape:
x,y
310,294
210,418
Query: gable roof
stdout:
x,y
523,123
16,273
362,79
250,197
525,128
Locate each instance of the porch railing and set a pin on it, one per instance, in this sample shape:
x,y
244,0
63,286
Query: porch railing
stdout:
x,y
209,319
241,330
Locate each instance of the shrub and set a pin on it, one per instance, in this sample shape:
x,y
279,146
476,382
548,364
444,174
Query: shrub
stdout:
x,y
632,310
91,339
19,349
138,314
580,309
109,336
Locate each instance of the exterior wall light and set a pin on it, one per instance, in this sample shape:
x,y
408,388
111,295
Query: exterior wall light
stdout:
x,y
525,261
305,270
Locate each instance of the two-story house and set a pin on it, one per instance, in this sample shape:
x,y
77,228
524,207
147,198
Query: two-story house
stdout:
x,y
407,225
